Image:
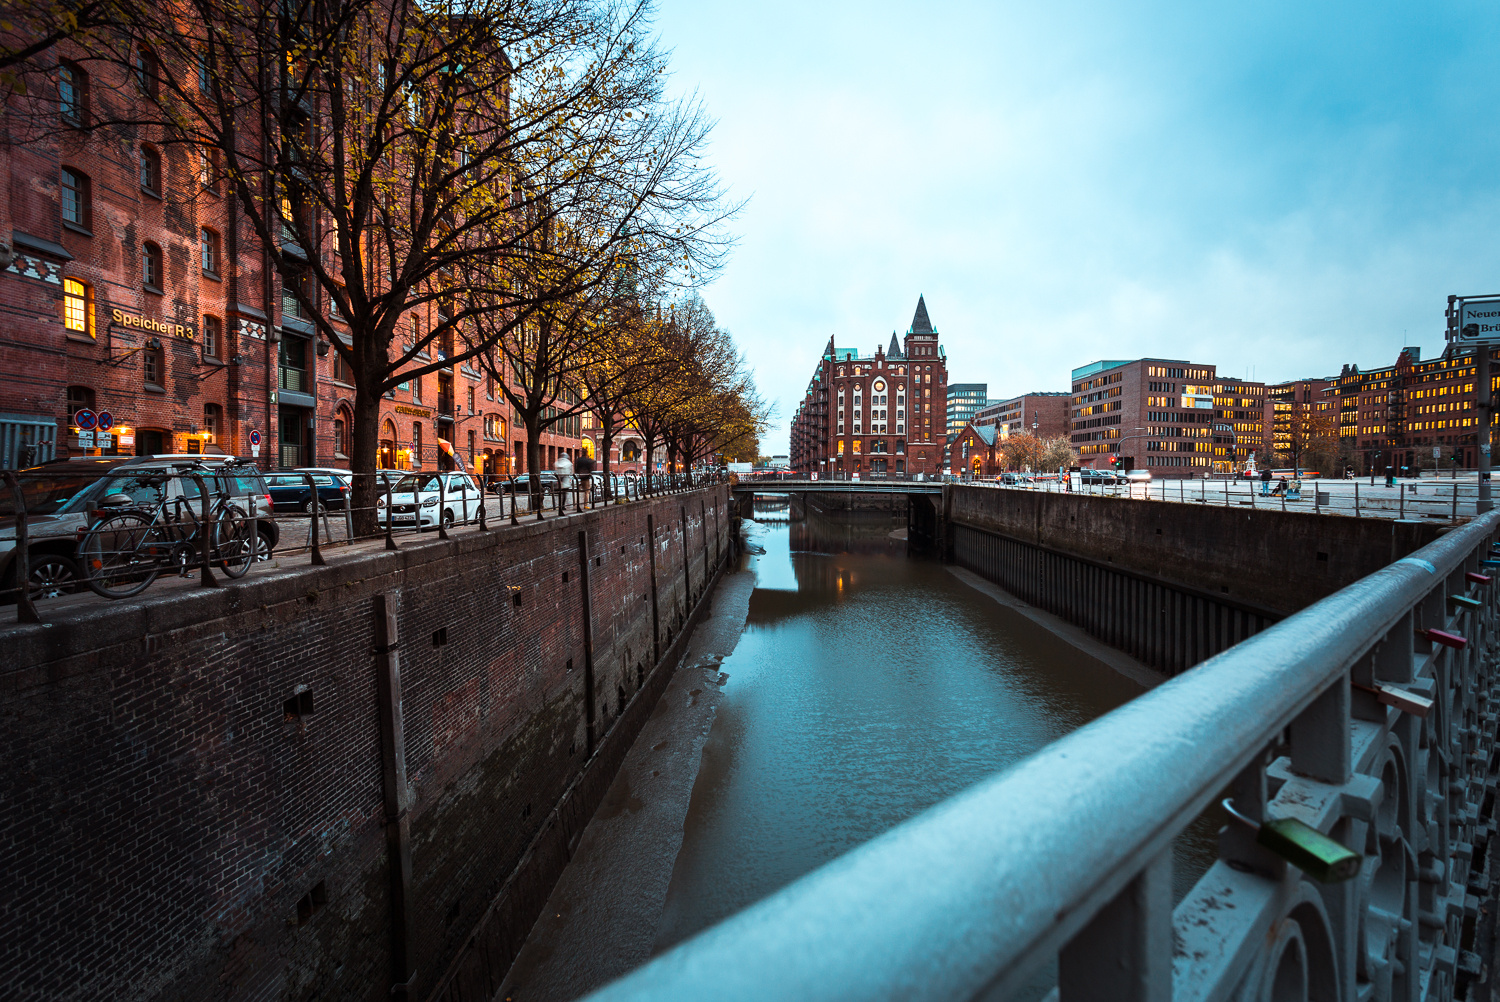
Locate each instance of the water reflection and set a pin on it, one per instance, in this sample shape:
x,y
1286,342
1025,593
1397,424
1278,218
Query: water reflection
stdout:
x,y
868,685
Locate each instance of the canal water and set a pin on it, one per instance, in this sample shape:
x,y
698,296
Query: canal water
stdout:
x,y
867,686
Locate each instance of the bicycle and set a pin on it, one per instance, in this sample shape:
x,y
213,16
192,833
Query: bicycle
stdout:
x,y
126,549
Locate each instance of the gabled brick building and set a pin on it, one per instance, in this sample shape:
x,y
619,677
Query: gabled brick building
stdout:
x,y
880,413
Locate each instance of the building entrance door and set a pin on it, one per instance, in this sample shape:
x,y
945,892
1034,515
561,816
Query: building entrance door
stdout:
x,y
292,422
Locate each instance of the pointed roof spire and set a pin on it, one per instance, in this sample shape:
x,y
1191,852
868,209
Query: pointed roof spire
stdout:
x,y
920,322
894,351
828,352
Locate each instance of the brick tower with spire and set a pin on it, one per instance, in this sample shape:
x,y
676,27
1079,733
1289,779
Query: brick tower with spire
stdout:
x,y
881,414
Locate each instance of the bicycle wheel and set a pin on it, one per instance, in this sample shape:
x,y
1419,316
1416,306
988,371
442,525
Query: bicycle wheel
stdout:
x,y
234,541
119,555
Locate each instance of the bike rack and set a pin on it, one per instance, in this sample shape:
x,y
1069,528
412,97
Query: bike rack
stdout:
x,y
25,607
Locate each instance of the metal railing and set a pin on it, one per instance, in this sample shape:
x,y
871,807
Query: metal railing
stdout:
x,y
1427,499
308,524
1369,716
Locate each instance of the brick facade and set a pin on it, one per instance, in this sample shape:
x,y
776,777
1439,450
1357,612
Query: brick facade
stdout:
x,y
194,807
884,413
181,334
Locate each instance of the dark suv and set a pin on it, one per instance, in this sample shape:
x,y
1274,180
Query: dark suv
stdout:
x,y
60,495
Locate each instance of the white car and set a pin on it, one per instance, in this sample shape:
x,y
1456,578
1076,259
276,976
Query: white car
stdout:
x,y
417,498
1138,476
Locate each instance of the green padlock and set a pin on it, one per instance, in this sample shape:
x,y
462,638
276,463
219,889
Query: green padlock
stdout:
x,y
1306,848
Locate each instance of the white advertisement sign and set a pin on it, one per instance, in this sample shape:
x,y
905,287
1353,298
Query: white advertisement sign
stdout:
x,y
1479,321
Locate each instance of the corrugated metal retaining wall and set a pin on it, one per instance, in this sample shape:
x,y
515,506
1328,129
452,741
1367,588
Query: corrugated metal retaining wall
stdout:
x,y
1166,626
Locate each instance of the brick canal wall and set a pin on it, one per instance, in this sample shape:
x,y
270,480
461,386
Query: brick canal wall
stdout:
x,y
1170,583
199,798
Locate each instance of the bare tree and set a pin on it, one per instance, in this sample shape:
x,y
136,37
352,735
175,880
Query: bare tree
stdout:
x,y
427,178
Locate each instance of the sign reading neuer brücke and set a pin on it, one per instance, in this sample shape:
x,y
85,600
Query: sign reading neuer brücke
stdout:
x,y
155,326
1478,321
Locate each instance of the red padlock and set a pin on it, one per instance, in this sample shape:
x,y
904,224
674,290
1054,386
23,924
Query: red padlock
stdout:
x,y
1477,578
1446,639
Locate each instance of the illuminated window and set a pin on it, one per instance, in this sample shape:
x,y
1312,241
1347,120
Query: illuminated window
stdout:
x,y
76,312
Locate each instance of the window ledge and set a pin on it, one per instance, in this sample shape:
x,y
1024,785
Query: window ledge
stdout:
x,y
213,360
211,274
81,338
152,288
154,388
76,228
153,194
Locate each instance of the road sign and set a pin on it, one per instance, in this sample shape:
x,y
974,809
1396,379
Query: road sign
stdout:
x,y
1437,452
85,440
85,419
255,438
106,420
1478,321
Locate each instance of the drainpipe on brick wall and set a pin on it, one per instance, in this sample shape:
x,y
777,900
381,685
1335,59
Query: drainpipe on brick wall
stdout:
x,y
655,612
588,637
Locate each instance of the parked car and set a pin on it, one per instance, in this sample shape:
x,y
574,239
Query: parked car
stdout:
x,y
290,492
1138,476
416,498
60,495
521,483
1087,476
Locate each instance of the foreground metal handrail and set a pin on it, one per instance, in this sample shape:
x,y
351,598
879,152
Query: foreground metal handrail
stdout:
x,y
1067,855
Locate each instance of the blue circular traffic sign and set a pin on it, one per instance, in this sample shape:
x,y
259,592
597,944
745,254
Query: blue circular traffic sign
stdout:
x,y
106,421
255,438
85,419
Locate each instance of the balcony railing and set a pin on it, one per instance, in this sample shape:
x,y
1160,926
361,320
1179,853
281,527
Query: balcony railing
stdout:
x,y
293,379
1369,716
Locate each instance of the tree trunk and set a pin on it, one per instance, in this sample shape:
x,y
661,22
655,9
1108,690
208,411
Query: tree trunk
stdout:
x,y
607,439
532,420
365,448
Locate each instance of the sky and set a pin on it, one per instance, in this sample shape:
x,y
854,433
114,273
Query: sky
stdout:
x,y
1275,188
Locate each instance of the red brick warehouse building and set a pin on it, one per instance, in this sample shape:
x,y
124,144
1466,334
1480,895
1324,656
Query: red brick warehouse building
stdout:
x,y
881,413
131,284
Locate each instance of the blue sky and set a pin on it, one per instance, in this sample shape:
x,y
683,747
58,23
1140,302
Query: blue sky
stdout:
x,y
1276,188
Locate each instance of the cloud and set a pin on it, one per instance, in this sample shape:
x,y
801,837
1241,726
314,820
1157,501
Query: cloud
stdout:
x,y
1287,187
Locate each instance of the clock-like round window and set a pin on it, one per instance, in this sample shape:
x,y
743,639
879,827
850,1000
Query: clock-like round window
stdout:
x,y
879,385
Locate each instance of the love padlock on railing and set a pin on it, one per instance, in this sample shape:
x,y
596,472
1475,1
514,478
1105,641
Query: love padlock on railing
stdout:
x,y
1445,638
1309,850
1405,701
1477,578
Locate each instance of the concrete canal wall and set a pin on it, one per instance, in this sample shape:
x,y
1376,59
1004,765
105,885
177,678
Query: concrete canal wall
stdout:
x,y
1169,583
261,792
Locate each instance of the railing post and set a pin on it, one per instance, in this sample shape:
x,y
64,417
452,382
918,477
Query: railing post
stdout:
x,y
205,546
390,518
1455,503
442,506
1356,499
1401,490
1124,954
483,526
513,519
25,607
313,506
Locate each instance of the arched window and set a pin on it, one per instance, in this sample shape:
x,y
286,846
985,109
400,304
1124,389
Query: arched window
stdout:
x,y
151,266
342,422
387,458
78,307
150,171
74,189
72,94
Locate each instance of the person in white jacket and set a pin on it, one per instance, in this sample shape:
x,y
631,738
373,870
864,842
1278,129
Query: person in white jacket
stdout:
x,y
564,470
